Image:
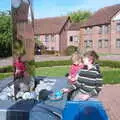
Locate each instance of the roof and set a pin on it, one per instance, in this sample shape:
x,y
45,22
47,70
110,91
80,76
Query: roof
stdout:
x,y
75,27
50,25
103,16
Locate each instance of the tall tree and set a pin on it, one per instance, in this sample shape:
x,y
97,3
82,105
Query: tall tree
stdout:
x,y
80,15
5,34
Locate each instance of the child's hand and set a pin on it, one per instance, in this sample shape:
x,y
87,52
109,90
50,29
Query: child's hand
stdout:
x,y
65,90
73,80
69,77
84,97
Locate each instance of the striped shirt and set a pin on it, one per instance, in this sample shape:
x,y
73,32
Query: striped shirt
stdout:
x,y
88,82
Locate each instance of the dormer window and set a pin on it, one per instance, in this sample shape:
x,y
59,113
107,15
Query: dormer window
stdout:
x,y
104,29
88,30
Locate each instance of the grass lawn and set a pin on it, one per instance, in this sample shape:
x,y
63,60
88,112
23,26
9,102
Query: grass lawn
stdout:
x,y
110,75
4,75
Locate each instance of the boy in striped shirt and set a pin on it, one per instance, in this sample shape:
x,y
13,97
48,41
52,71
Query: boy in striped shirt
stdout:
x,y
88,80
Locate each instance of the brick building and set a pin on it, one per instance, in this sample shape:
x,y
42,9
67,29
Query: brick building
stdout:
x,y
102,31
52,32
73,34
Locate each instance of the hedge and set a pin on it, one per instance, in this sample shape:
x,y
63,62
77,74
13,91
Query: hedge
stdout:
x,y
103,63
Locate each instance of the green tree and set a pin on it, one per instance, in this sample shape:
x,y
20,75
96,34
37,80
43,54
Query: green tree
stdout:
x,y
5,34
80,15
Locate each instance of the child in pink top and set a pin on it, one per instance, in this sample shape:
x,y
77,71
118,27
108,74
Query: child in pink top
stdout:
x,y
19,67
77,64
75,67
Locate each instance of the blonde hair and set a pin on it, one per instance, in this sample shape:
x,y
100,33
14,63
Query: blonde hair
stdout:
x,y
76,57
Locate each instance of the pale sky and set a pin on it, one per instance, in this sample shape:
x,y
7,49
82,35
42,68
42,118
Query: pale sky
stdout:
x,y
52,8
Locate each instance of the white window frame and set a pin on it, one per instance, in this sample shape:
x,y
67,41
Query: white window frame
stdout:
x,y
118,43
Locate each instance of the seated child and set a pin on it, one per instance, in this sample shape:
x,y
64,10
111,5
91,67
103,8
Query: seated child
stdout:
x,y
77,64
89,80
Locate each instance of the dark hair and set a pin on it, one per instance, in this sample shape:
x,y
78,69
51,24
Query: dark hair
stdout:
x,y
92,55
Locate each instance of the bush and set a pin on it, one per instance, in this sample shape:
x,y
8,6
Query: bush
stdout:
x,y
53,63
70,50
6,69
49,52
104,63
108,63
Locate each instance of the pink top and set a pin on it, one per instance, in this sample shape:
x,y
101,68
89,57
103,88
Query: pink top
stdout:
x,y
74,69
19,66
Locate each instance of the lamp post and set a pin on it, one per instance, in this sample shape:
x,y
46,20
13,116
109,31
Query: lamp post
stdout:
x,y
23,44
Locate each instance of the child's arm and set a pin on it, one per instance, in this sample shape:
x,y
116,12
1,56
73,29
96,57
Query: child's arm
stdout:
x,y
98,87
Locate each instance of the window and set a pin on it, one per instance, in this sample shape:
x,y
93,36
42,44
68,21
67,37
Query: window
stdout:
x,y
71,38
88,43
118,43
104,29
76,38
118,27
52,48
85,43
106,43
52,38
37,37
88,30
99,43
100,30
46,38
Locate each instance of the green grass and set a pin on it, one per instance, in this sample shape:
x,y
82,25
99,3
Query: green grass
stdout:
x,y
52,71
106,54
4,75
110,75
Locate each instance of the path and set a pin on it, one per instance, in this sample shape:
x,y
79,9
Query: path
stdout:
x,y
110,96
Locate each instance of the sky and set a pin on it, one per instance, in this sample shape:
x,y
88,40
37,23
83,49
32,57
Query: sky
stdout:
x,y
52,8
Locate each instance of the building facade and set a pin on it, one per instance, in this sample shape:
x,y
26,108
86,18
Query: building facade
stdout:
x,y
102,31
73,35
52,32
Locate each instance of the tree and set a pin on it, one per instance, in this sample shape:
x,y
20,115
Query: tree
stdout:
x,y
5,34
80,15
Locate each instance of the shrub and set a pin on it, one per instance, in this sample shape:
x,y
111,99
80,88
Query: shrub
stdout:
x,y
6,69
70,50
104,63
53,63
108,63
50,52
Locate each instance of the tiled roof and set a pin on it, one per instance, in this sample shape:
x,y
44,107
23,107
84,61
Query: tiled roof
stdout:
x,y
50,25
102,16
75,26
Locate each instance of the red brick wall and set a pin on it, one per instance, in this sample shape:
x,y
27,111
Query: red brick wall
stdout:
x,y
63,38
114,35
95,37
111,36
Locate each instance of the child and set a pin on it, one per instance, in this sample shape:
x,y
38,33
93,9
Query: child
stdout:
x,y
19,68
89,80
77,64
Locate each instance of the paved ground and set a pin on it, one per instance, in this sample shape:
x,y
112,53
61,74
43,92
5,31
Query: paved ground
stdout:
x,y
8,61
110,96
